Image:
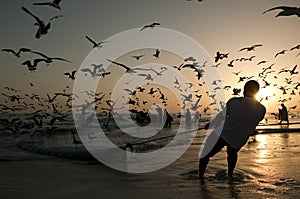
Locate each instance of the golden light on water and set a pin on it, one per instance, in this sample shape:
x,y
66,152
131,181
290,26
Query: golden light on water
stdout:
x,y
262,149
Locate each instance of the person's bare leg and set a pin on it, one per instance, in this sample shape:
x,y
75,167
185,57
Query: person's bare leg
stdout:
x,y
204,161
202,166
232,156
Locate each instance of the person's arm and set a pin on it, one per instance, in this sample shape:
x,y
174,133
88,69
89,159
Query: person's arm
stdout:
x,y
263,113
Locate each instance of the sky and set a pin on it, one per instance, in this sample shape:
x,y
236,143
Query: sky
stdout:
x,y
217,25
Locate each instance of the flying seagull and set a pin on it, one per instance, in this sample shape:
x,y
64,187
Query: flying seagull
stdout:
x,y
54,3
56,17
295,47
230,64
251,48
286,11
97,71
137,57
157,53
293,71
95,44
43,28
154,24
280,53
17,54
220,56
262,62
119,64
71,75
32,66
48,59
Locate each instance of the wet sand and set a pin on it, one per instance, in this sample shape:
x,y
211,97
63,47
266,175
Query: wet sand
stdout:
x,y
267,168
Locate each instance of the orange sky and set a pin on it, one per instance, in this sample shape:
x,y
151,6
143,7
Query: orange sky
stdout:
x,y
217,26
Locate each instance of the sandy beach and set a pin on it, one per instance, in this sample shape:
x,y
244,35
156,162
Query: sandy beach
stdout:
x,y
116,99
267,168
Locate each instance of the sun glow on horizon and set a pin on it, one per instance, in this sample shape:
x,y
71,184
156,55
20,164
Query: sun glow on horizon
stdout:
x,y
267,96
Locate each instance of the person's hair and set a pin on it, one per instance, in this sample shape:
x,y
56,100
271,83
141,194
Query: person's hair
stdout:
x,y
251,88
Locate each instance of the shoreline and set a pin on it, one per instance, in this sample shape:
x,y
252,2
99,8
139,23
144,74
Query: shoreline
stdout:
x,y
81,153
267,168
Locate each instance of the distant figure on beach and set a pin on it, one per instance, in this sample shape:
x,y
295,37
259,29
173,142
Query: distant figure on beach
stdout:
x,y
188,118
283,114
169,119
241,115
196,118
159,115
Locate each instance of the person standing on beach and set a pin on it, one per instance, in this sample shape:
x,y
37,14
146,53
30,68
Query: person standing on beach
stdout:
x,y
283,114
240,117
197,117
159,114
188,118
169,119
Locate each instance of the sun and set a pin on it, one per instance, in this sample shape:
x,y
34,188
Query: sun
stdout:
x,y
265,94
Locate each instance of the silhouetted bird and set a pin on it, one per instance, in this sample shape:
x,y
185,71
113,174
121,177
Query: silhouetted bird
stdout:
x,y
179,67
32,66
48,59
137,57
236,91
261,62
56,17
280,53
152,91
251,48
71,75
237,73
293,71
95,44
122,65
157,53
220,56
17,54
176,81
43,28
97,70
141,89
150,26
230,64
295,47
54,3
286,11
130,92
192,59
227,87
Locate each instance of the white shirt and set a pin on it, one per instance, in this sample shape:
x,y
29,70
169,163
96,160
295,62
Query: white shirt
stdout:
x,y
242,116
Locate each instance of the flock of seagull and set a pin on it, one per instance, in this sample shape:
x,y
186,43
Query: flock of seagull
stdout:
x,y
46,111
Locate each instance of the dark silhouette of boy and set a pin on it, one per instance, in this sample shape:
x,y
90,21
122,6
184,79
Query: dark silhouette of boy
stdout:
x,y
240,118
